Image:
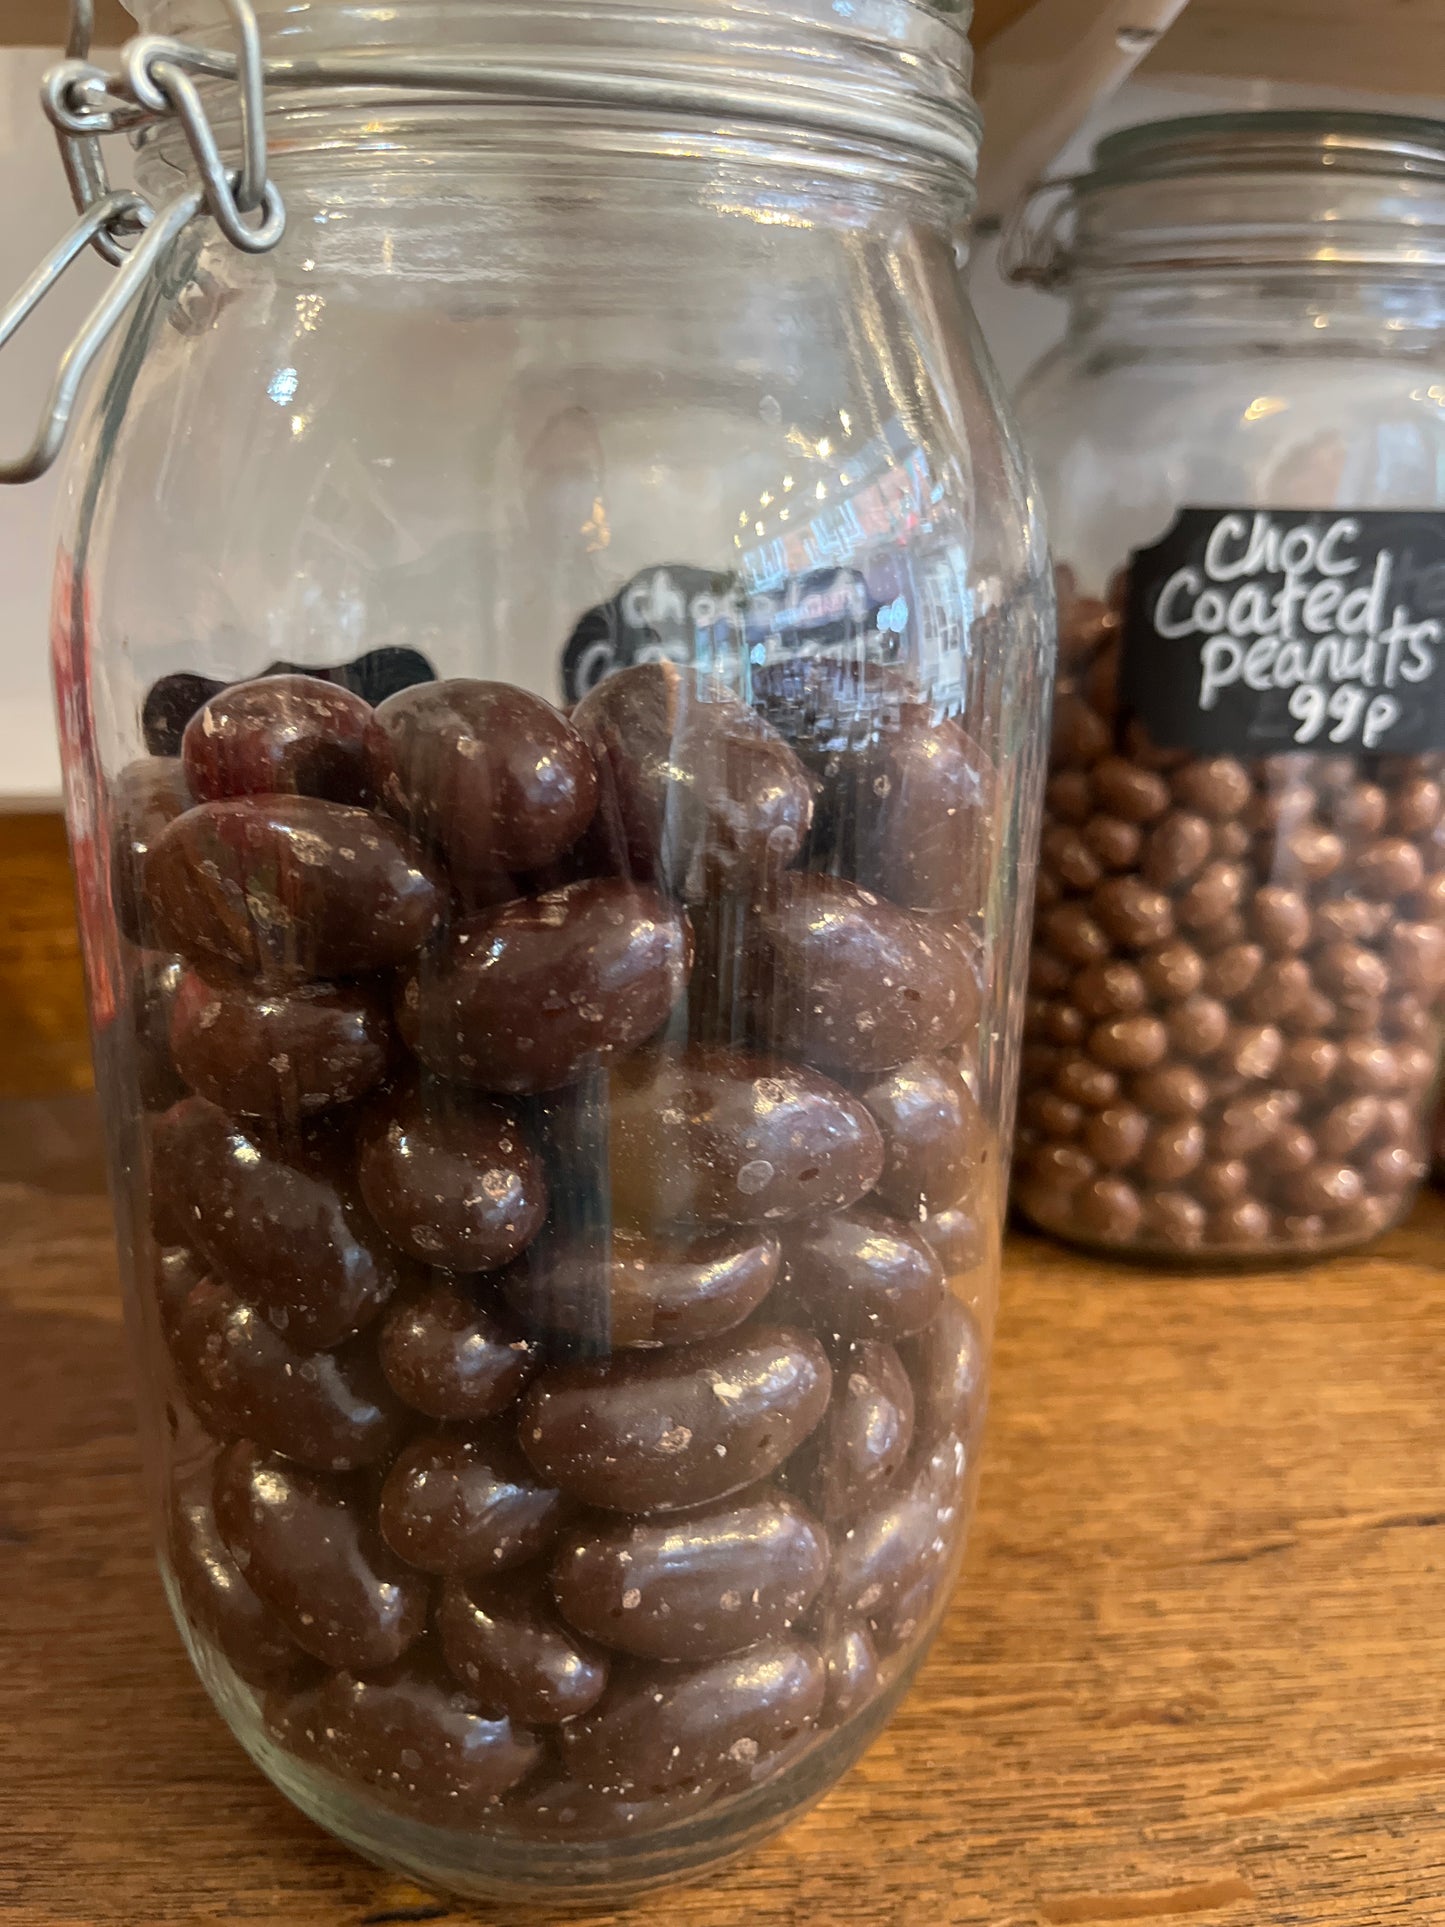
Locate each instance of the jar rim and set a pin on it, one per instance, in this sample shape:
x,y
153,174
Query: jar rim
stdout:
x,y
1282,140
1310,189
897,73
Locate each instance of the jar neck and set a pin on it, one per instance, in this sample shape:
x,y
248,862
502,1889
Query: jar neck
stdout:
x,y
1280,312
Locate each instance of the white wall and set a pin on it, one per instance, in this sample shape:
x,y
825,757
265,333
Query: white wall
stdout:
x,y
35,209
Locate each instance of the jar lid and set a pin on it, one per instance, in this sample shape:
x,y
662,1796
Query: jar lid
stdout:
x,y
1288,189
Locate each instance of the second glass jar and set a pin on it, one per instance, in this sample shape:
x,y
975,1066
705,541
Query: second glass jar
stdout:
x,y
1232,1037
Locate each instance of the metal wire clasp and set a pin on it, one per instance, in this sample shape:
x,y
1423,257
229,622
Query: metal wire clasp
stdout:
x,y
1033,248
155,81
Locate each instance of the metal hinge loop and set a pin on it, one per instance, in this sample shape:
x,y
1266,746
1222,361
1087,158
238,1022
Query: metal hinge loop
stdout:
x,y
156,80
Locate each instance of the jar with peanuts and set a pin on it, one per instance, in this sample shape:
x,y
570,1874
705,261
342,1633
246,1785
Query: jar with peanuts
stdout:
x,y
1232,1035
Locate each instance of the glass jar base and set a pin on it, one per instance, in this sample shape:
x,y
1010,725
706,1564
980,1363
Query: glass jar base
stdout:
x,y
1158,1256
527,1866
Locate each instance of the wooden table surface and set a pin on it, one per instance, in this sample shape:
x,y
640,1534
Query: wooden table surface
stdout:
x,y
1195,1670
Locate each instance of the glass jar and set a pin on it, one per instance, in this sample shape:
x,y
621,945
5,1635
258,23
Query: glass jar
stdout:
x,y
1232,1038
552,661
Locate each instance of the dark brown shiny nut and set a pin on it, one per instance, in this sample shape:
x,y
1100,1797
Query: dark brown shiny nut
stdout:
x,y
654,1732
850,982
1229,972
1308,1064
711,1136
956,1237
1064,1024
1114,842
1050,1115
451,1179
1365,1064
468,1502
1129,1043
697,1587
1359,1015
279,1052
1080,734
1217,787
1101,683
1066,854
284,1230
415,1740
290,886
1230,840
853,1674
1244,1125
660,1431
948,1364
1114,1138
1359,811
329,1411
1416,806
1290,1149
531,996
1215,892
1349,970
697,791
1305,1228
1416,953
1172,971
1069,797
1125,790
1114,989
1429,900
284,736
494,778
862,1445
1393,1167
1197,1026
1220,1181
1072,934
1243,1224
447,1352
934,1135
1277,811
310,1553
904,1543
1047,891
1177,847
146,796
505,1643
219,1603
1172,1090
1347,1125
1279,918
1401,1123
560,1806
1223,934
1048,975
1389,868
1058,1167
1173,1219
1174,1150
1367,1218
631,1289
1281,988
1106,1210
1252,1051
1079,1080
1311,852
1132,913
927,838
154,986
1324,1187
862,1274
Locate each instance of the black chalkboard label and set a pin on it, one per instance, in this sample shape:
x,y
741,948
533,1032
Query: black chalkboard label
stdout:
x,y
1254,631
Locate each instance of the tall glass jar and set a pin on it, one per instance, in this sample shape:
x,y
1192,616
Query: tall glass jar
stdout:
x,y
553,661
1233,1033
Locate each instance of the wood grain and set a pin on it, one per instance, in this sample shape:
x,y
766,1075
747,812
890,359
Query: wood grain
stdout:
x,y
44,1039
1195,1670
